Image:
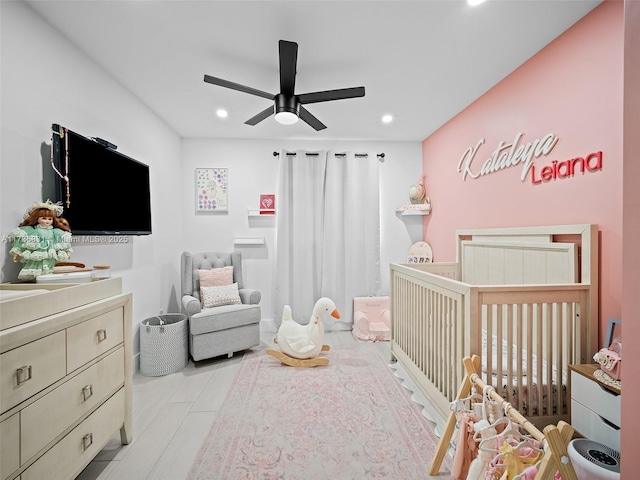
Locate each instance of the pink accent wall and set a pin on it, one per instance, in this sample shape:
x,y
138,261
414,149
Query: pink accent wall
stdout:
x,y
631,239
571,88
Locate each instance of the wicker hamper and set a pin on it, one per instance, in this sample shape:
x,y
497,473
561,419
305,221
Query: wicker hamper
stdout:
x,y
164,344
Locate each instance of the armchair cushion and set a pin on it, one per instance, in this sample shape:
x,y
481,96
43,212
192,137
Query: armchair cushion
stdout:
x,y
224,318
220,295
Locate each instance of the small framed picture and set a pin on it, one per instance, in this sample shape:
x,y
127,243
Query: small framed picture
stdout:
x,y
267,204
614,332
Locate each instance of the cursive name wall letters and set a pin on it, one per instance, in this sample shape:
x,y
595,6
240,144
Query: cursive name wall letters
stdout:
x,y
507,155
512,154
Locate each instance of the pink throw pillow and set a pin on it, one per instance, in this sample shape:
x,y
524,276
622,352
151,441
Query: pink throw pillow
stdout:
x,y
216,277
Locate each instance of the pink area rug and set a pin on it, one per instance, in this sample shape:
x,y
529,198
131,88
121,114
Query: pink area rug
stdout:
x,y
350,419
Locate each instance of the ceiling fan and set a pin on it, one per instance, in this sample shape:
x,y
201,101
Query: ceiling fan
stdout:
x,y
287,105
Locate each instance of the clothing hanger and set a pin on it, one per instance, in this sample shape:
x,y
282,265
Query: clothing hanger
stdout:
x,y
474,396
498,436
500,421
458,405
531,443
506,419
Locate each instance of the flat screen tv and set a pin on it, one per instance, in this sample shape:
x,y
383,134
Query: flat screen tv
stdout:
x,y
107,192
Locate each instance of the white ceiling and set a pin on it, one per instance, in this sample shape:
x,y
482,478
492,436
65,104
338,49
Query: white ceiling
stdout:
x,y
421,61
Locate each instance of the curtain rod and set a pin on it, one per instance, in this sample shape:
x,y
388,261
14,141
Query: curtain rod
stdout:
x,y
358,155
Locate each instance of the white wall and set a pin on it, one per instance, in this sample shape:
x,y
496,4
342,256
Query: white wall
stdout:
x,y
44,80
253,170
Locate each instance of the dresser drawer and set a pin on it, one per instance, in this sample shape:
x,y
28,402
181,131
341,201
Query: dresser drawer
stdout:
x,y
71,454
602,401
89,339
9,445
592,426
26,370
44,420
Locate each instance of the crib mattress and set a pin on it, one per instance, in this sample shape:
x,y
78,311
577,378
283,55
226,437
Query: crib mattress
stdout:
x,y
514,386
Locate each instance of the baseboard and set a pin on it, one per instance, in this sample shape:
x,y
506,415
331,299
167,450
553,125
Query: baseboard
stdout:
x,y
268,325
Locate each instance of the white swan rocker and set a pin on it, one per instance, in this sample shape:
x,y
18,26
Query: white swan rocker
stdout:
x,y
299,344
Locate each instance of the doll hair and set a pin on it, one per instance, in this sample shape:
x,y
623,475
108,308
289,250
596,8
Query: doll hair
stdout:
x,y
64,224
32,219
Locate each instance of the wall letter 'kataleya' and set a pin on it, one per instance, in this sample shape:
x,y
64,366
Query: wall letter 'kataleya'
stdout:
x,y
507,155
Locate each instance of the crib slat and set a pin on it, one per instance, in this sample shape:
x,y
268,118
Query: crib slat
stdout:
x,y
530,352
540,355
550,322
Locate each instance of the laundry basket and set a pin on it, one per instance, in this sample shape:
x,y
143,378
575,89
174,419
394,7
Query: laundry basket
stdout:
x,y
164,344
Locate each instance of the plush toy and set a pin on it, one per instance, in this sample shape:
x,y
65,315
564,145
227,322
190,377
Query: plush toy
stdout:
x,y
299,344
41,240
417,192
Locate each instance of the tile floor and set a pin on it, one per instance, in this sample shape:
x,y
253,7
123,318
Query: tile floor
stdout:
x,y
173,414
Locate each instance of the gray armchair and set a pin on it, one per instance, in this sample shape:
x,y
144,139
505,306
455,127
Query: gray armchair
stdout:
x,y
224,329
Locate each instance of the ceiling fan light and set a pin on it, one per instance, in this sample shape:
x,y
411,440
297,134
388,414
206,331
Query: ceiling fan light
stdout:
x,y
286,118
287,108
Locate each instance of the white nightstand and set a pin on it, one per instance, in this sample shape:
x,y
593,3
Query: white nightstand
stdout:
x,y
595,406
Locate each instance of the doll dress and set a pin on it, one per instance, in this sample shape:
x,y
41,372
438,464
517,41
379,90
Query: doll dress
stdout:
x,y
39,249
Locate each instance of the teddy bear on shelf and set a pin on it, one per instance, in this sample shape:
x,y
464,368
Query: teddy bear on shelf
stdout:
x,y
417,192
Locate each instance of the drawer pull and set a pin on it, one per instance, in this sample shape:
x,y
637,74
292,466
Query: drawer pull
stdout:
x,y
611,424
102,335
87,441
606,390
23,374
87,391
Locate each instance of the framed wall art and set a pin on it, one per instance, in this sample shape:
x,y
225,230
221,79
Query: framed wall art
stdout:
x,y
212,190
614,332
267,204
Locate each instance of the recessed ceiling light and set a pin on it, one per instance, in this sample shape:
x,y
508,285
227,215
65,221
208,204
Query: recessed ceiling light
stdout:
x,y
473,3
222,113
388,118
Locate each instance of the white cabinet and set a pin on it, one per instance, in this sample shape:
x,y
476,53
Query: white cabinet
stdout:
x,y
595,407
65,377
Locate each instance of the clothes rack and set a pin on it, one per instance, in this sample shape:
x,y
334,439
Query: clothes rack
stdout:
x,y
554,439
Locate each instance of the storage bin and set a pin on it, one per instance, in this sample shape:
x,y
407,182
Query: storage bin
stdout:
x,y
372,318
164,344
101,272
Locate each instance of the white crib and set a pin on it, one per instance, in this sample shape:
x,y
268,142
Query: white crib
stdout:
x,y
524,299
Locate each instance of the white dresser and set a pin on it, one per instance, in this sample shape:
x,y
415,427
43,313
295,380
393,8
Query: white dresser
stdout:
x,y
595,406
65,377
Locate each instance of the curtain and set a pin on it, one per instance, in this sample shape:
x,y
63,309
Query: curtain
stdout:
x,y
328,233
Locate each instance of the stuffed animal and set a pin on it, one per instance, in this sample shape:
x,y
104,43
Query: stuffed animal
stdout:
x,y
300,344
417,192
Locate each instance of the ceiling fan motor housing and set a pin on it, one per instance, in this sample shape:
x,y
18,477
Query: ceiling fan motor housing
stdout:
x,y
287,103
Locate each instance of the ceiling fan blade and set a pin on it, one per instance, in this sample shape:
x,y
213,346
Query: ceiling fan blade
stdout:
x,y
329,95
267,112
236,86
288,61
305,115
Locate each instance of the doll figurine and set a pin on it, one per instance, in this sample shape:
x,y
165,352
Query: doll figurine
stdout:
x,y
41,240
